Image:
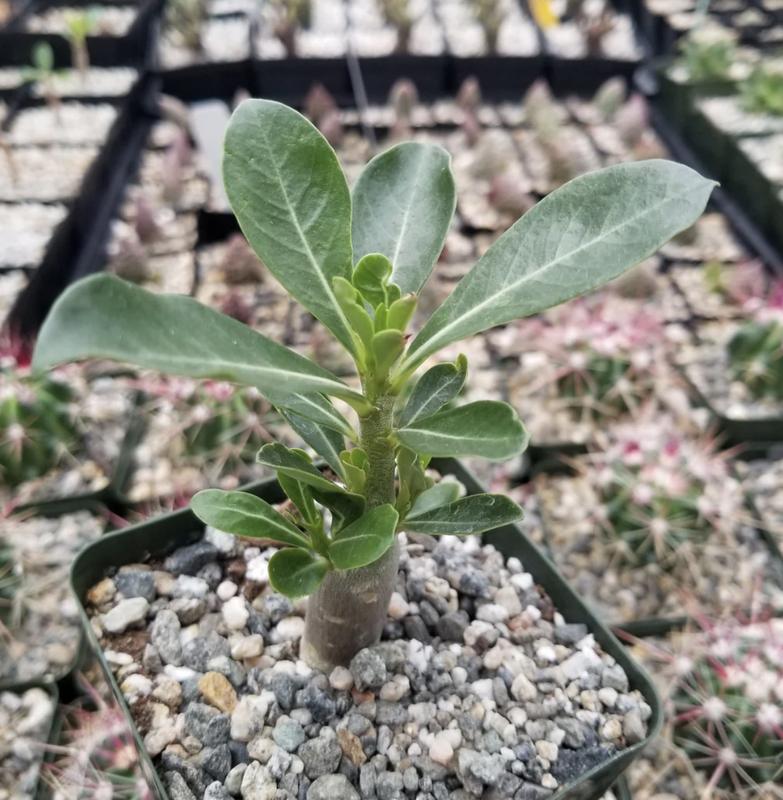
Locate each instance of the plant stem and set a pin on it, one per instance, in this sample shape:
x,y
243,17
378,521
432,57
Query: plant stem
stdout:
x,y
348,611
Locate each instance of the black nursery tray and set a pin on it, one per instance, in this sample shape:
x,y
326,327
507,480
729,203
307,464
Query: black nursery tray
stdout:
x,y
133,48
165,533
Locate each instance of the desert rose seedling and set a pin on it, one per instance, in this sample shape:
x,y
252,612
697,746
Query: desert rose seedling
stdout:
x,y
357,261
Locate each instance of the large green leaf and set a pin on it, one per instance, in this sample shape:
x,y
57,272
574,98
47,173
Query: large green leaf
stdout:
x,y
577,238
296,465
105,317
314,407
485,428
244,514
327,443
474,514
403,203
364,540
285,186
435,388
295,572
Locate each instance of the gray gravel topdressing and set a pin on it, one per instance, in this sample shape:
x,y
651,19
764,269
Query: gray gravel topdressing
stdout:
x,y
480,688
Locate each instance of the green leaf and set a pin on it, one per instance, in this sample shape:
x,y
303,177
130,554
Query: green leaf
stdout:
x,y
285,186
345,506
576,239
485,428
401,312
371,276
244,514
296,465
474,514
105,317
387,347
316,408
436,387
300,496
441,494
327,443
364,540
296,573
403,203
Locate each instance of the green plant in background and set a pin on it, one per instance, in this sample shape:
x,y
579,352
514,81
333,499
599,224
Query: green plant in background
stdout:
x,y
762,92
186,19
357,262
80,24
727,706
36,425
42,72
756,358
397,13
662,494
489,14
289,17
707,54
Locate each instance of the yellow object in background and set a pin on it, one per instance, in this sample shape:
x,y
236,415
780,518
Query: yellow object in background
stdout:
x,y
543,13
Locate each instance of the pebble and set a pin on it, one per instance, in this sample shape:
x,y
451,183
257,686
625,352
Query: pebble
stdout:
x,y
124,614
341,679
235,613
332,787
247,647
136,583
218,691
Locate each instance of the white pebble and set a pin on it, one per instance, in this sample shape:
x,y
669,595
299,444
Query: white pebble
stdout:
x,y
227,590
235,613
257,570
247,647
441,751
509,599
398,606
290,628
341,679
492,612
125,613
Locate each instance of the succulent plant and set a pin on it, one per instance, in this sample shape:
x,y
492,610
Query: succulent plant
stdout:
x,y
397,13
707,53
663,493
756,357
762,92
95,758
239,264
80,24
36,424
186,18
289,16
724,689
358,261
42,71
743,284
489,14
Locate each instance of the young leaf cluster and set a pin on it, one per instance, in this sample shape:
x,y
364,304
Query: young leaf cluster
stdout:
x,y
357,261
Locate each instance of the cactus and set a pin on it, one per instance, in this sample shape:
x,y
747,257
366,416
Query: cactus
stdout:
x,y
36,424
610,97
239,263
186,18
707,53
80,25
756,358
663,493
289,17
96,758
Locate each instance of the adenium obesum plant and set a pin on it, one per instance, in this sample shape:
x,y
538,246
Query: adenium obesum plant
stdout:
x,y
357,261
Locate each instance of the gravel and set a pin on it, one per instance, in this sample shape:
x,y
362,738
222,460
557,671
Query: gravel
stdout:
x,y
507,701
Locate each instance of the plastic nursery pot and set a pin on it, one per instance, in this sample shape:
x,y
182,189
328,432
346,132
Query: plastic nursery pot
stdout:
x,y
753,435
430,74
750,187
506,77
709,142
159,536
584,76
290,79
220,79
42,790
104,51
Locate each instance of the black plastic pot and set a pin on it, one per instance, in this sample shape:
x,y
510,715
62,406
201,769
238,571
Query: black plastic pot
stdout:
x,y
17,44
290,79
583,76
751,187
161,535
430,74
221,79
501,77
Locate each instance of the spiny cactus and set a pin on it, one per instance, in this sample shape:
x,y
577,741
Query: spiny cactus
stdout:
x,y
663,493
36,424
96,759
756,349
